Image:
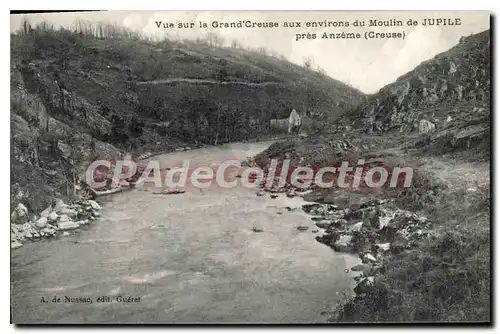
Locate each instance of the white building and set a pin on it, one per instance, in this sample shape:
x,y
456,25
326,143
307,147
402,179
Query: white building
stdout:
x,y
294,120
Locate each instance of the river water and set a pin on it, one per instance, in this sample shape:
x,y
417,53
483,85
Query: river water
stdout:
x,y
189,258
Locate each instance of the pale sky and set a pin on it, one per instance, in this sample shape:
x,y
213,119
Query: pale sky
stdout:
x,y
365,64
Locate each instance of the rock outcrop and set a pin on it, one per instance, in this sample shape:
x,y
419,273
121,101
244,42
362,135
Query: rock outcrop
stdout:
x,y
440,91
52,221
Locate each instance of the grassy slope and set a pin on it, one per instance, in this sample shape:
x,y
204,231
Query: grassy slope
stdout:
x,y
445,278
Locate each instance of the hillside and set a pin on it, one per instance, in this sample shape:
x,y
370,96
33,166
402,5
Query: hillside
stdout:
x,y
76,97
451,91
436,120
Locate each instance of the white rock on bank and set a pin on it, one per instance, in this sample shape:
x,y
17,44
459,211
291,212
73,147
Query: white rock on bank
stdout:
x,y
356,227
344,243
68,212
63,219
383,221
15,244
60,205
53,216
49,231
45,213
20,211
364,285
383,247
94,204
368,258
67,225
42,222
15,227
425,126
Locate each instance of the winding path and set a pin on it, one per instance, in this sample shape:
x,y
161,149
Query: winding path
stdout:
x,y
208,81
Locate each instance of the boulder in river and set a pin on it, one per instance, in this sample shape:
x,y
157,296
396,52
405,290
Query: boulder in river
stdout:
x,y
174,191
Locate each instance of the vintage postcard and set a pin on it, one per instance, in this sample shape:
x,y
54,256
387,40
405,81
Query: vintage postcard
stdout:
x,y
250,167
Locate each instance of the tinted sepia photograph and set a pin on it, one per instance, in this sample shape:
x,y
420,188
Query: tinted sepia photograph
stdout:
x,y
250,167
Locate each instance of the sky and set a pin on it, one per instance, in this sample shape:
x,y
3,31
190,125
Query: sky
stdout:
x,y
367,65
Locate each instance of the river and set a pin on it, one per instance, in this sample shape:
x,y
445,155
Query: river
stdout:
x,y
189,258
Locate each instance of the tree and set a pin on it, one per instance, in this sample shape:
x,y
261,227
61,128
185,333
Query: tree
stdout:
x,y
214,39
235,44
308,62
26,26
221,109
321,70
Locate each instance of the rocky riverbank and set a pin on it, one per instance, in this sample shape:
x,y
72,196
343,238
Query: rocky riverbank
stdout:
x,y
375,230
55,220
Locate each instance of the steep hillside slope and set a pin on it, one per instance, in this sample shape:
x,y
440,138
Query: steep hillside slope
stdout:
x,y
76,97
129,90
451,91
